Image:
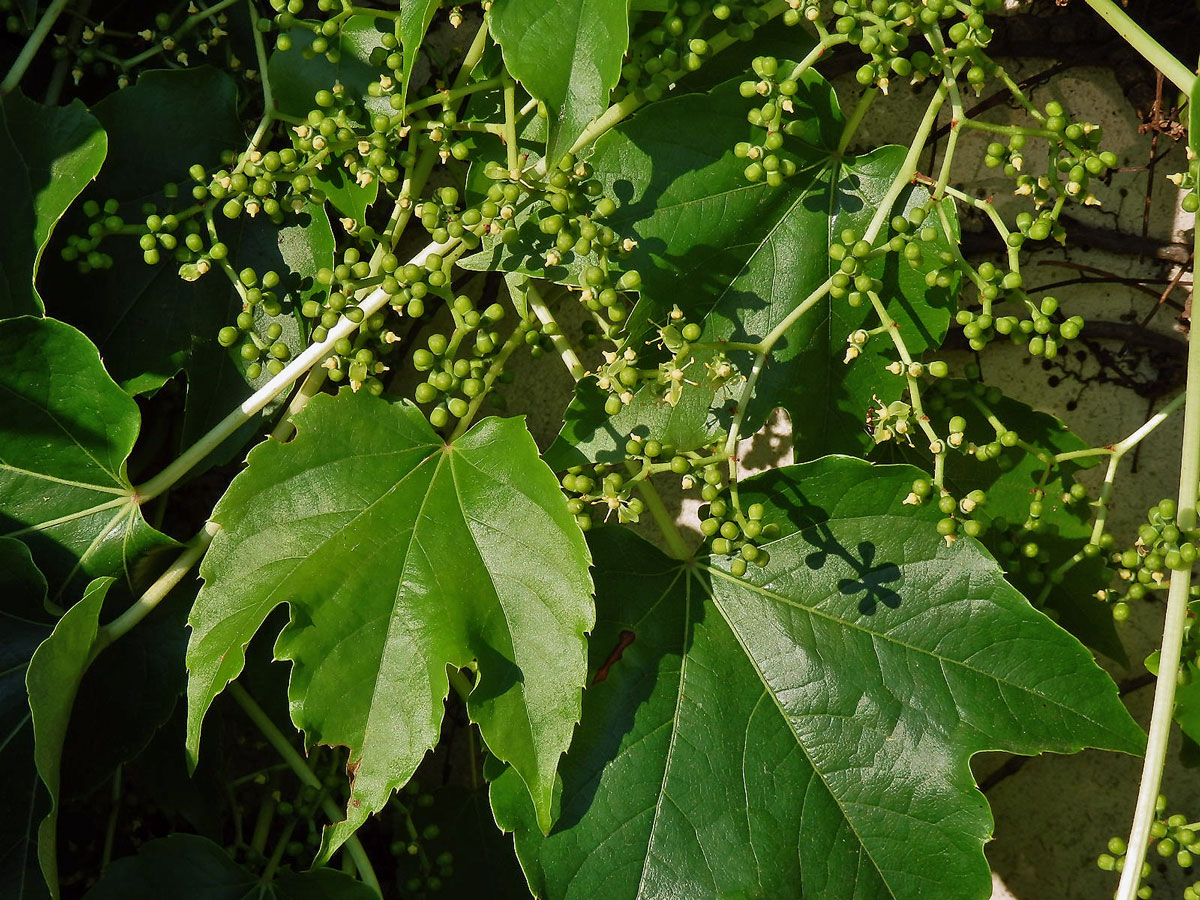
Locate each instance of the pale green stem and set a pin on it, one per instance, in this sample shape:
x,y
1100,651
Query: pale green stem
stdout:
x,y
296,763
145,604
1177,609
856,118
32,45
312,384
510,127
1150,49
658,511
273,388
260,53
569,357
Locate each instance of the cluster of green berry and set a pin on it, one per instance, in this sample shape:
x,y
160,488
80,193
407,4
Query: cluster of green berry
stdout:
x,y
1173,836
420,870
265,293
881,29
1162,547
732,532
913,238
597,491
1037,330
965,514
84,249
326,34
184,36
623,371
381,160
1075,159
662,50
564,208
775,118
454,381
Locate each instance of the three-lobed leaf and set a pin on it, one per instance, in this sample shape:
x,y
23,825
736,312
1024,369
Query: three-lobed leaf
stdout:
x,y
805,730
47,157
398,555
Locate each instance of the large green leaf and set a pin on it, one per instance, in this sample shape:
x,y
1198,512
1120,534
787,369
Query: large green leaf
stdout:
x,y
23,626
567,53
400,554
805,731
66,430
52,679
47,156
192,867
740,257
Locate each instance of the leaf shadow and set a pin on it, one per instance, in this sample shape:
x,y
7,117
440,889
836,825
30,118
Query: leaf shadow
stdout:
x,y
877,580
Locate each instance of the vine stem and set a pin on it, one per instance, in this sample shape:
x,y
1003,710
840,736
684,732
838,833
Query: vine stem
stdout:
x,y
296,763
1150,49
569,357
186,26
273,388
125,622
1162,715
36,38
658,512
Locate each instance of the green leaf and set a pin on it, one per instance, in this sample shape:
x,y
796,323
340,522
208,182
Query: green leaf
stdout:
x,y
47,156
147,322
24,624
349,197
567,53
296,80
52,679
187,865
1009,481
128,695
66,431
398,555
740,257
805,731
160,126
415,16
